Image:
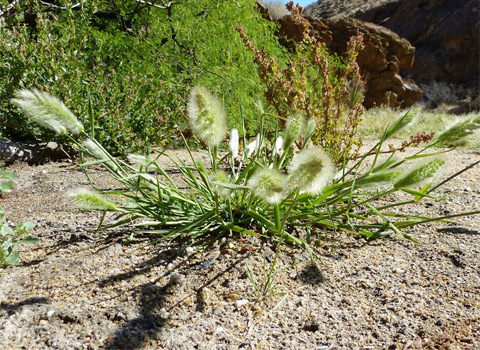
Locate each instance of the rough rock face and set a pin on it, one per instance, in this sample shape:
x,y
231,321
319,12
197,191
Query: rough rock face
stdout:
x,y
385,54
445,33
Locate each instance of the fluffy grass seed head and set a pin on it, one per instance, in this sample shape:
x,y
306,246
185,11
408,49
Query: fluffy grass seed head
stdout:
x,y
217,179
268,185
206,116
311,169
405,121
379,179
86,199
293,129
420,173
251,148
278,147
456,134
97,152
145,162
310,129
47,111
233,143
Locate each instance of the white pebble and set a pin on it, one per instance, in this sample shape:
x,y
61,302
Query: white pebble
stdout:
x,y
50,313
169,266
189,250
241,302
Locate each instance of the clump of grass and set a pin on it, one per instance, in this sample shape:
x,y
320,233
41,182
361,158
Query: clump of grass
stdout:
x,y
376,120
288,192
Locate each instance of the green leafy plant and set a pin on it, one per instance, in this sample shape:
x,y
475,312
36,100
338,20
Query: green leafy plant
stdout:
x,y
6,181
279,186
314,82
11,238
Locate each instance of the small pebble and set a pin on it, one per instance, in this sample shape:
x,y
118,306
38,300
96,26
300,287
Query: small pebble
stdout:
x,y
189,251
241,302
50,313
169,266
176,279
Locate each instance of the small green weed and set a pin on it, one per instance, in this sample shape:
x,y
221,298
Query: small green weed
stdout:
x,y
10,238
266,284
6,181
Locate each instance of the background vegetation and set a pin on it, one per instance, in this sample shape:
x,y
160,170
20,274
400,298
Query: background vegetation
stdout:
x,y
130,64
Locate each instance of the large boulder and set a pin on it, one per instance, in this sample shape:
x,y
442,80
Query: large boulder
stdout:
x,y
380,62
445,34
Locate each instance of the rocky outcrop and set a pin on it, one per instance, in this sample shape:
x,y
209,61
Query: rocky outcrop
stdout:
x,y
445,34
33,153
384,55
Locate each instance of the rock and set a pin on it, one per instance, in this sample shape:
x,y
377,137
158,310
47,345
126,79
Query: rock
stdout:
x,y
445,34
380,62
241,302
176,279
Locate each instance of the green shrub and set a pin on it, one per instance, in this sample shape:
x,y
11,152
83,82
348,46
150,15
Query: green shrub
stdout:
x,y
130,72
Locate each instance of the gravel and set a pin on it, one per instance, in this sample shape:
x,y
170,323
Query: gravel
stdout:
x,y
82,289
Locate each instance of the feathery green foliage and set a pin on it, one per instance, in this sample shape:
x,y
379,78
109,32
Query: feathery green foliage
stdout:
x,y
129,73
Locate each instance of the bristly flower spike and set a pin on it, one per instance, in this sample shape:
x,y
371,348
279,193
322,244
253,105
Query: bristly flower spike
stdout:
x,y
251,147
86,199
98,152
268,185
456,134
379,178
402,123
420,174
278,147
309,131
311,169
218,178
47,111
233,143
293,129
207,116
145,162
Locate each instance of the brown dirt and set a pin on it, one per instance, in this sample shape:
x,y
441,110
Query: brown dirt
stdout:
x,y
79,289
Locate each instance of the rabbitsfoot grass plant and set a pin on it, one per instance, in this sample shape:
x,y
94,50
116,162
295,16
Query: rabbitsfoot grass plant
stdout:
x,y
279,186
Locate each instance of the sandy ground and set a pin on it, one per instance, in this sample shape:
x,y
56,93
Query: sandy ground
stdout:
x,y
79,289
